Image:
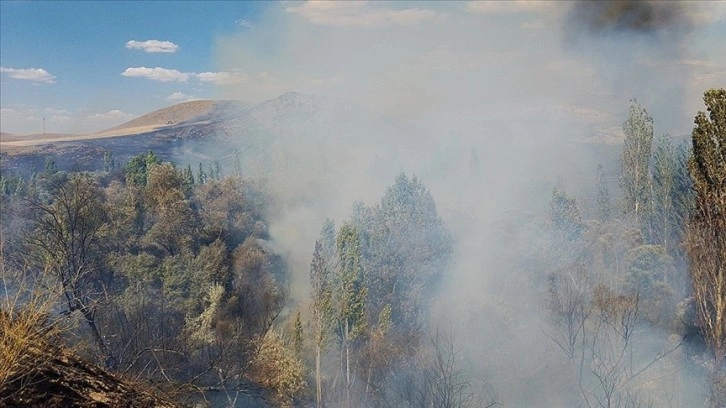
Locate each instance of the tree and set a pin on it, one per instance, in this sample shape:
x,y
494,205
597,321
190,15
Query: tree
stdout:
x,y
137,169
66,234
406,249
638,131
109,163
50,166
349,297
683,200
171,218
706,235
565,215
603,195
663,185
322,310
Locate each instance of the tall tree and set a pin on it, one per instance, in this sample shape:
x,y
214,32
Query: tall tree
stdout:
x,y
407,251
603,195
662,214
638,131
349,297
66,234
706,235
565,215
321,305
683,201
137,169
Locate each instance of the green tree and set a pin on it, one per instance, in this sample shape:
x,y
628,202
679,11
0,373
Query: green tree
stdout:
x,y
638,129
109,163
188,179
603,195
662,214
201,175
50,166
137,169
171,219
349,297
683,202
322,311
407,249
565,215
706,236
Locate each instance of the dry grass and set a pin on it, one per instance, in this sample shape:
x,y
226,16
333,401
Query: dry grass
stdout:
x,y
36,369
25,328
22,331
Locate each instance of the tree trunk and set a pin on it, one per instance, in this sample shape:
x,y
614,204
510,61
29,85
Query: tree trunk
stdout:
x,y
318,379
347,365
110,360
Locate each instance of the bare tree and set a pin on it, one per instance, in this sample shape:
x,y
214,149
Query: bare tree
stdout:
x,y
66,235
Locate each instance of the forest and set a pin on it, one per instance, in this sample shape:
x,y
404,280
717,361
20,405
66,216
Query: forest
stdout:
x,y
167,275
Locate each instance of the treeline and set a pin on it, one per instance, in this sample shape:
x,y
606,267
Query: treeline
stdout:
x,y
156,275
372,280
170,278
643,285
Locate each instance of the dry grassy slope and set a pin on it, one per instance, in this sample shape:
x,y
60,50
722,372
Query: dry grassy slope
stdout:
x,y
15,144
176,113
58,378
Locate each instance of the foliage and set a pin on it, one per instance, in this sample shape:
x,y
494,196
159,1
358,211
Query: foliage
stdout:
x,y
137,169
565,215
638,129
603,195
706,236
276,367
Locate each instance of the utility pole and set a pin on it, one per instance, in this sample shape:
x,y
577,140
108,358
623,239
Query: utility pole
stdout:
x,y
43,125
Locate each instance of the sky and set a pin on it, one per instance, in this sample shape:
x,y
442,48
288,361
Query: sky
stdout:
x,y
88,66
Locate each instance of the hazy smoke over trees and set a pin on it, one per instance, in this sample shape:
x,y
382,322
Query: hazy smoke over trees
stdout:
x,y
424,207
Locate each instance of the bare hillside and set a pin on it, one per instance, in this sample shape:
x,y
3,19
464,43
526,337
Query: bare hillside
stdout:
x,y
167,116
161,118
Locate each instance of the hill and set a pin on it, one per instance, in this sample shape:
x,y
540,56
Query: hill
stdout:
x,y
207,131
149,122
163,117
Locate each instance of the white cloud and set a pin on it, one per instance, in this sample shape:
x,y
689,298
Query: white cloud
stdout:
x,y
244,23
223,78
152,46
29,74
508,7
358,14
112,115
180,97
55,111
156,74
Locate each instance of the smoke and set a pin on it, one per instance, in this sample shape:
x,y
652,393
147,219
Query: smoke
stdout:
x,y
440,82
637,16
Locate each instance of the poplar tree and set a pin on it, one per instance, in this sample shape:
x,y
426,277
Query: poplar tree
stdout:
x,y
603,195
349,297
706,235
322,310
638,131
662,187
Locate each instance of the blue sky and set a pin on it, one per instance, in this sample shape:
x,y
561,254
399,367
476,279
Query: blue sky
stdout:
x,y
87,66
82,46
